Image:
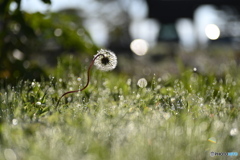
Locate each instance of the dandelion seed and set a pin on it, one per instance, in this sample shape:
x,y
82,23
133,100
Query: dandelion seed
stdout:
x,y
106,62
142,83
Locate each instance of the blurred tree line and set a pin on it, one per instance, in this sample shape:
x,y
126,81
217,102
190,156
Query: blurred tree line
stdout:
x,y
27,36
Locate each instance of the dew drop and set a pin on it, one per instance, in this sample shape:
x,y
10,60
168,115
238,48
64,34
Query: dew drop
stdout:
x,y
14,122
233,131
38,103
173,99
69,99
234,83
142,83
129,82
33,84
138,96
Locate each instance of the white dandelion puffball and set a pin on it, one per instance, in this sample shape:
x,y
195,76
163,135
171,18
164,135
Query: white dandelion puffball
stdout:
x,y
142,83
106,60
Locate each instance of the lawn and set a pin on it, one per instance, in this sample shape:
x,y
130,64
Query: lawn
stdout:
x,y
174,117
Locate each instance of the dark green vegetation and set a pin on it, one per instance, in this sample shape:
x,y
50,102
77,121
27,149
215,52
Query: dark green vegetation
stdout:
x,y
172,118
31,41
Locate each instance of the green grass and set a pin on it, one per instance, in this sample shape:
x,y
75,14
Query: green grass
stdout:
x,y
172,118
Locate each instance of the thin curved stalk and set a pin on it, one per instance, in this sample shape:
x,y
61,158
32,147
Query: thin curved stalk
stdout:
x,y
88,79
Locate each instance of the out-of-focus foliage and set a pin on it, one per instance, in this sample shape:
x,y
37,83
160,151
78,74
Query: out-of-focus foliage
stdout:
x,y
25,37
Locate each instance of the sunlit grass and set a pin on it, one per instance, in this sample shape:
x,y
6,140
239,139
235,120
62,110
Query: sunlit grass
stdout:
x,y
170,118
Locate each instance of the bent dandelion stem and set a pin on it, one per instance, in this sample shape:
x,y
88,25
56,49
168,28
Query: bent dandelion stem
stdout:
x,y
88,79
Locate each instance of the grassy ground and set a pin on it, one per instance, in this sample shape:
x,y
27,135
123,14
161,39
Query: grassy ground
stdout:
x,y
170,118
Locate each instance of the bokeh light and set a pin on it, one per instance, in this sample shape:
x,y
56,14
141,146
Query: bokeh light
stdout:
x,y
142,83
212,31
139,47
58,32
233,131
17,54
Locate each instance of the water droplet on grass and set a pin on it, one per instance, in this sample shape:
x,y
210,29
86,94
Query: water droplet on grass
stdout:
x,y
234,83
223,101
173,99
69,99
233,131
14,122
142,83
138,96
33,84
129,82
38,103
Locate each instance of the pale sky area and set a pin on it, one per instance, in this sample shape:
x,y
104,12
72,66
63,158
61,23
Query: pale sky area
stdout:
x,y
140,27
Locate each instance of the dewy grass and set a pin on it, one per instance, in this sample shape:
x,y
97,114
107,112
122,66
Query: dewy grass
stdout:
x,y
104,60
185,117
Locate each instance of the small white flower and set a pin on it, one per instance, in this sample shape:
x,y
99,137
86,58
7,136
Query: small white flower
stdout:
x,y
106,60
142,83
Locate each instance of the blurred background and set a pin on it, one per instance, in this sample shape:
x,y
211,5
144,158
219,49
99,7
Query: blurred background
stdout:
x,y
148,36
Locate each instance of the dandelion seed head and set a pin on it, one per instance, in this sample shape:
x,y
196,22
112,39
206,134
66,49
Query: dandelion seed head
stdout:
x,y
106,62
